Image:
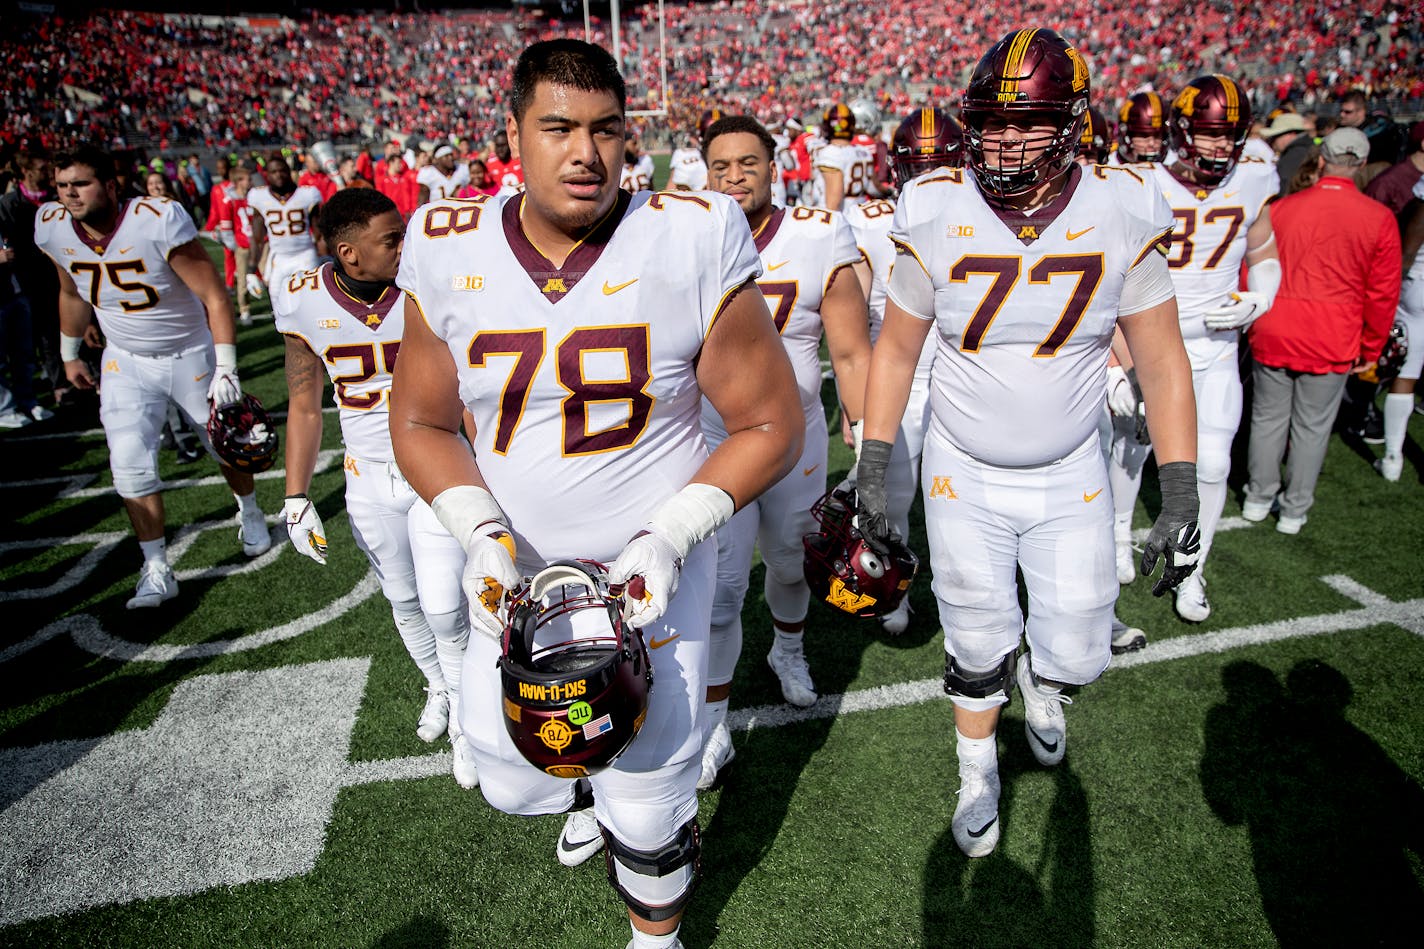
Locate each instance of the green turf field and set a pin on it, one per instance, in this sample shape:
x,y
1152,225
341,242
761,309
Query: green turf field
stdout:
x,y
240,767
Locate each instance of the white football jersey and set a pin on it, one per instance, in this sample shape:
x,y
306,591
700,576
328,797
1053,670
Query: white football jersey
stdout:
x,y
870,223
440,185
687,168
142,305
580,378
1025,305
288,222
356,342
1209,244
856,163
638,175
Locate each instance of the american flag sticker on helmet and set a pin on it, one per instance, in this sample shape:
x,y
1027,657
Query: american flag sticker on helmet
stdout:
x,y
597,727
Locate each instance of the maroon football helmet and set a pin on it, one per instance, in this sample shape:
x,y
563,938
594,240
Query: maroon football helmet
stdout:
x,y
708,117
843,570
927,139
1093,143
242,435
838,122
573,702
1142,128
1210,105
1028,75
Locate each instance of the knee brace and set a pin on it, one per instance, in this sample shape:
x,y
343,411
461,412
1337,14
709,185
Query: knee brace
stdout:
x,y
656,884
987,689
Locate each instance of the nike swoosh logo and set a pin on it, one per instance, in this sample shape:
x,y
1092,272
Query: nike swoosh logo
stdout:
x,y
807,471
660,643
575,845
771,267
1230,194
609,291
1088,497
1072,236
983,830
126,250
1050,748
200,378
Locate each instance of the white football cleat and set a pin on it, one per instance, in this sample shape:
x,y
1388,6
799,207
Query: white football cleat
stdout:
x,y
976,816
580,839
676,944
1190,598
156,584
463,767
1044,724
790,667
1390,466
1256,511
435,717
897,620
1126,562
1290,525
716,755
1126,638
256,537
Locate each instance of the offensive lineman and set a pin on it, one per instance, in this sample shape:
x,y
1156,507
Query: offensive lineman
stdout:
x,y
1219,200
1023,266
844,171
584,370
284,220
170,335
807,255
345,319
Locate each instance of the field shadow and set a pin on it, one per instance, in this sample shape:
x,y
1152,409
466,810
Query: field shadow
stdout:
x,y
424,932
1333,821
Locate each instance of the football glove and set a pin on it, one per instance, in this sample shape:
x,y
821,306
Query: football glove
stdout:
x,y
649,567
304,528
1175,538
255,286
225,387
872,499
1122,393
472,517
1239,312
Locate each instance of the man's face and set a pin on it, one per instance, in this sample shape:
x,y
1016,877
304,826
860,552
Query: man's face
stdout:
x,y
739,167
347,169
1352,115
1015,141
83,194
501,145
241,181
376,250
445,164
278,175
1212,147
570,142
392,149
39,175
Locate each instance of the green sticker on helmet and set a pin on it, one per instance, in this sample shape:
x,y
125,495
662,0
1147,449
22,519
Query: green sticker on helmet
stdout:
x,y
580,713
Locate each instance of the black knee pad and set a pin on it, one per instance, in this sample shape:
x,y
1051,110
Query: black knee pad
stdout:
x,y
684,849
979,685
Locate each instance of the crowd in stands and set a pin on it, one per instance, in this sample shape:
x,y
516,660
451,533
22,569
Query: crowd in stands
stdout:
x,y
128,79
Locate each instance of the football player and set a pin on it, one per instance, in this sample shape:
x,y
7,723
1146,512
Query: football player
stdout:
x,y
806,256
584,369
345,319
1094,146
284,221
687,167
637,167
1141,130
1022,264
925,140
1219,200
442,178
845,172
170,335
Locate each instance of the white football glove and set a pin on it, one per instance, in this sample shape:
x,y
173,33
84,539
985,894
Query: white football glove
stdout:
x,y
255,286
225,387
648,570
304,528
1240,312
472,517
1122,397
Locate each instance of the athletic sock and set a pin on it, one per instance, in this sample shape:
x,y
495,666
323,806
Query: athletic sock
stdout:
x,y
247,504
788,641
981,751
642,940
154,551
1397,409
716,713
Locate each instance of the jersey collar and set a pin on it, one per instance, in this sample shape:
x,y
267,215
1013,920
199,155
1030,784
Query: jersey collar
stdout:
x,y
369,315
100,244
1029,227
768,229
556,282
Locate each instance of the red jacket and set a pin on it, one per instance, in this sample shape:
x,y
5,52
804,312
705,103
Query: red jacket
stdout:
x,y
1340,273
403,189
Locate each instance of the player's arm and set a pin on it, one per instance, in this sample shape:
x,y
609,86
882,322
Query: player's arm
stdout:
x,y
834,179
846,321
304,381
1263,279
422,195
195,268
257,240
864,275
75,315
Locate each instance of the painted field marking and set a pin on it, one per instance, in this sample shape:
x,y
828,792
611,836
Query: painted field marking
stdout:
x,y
98,432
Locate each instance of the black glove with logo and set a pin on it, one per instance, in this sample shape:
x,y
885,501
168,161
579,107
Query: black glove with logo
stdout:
x,y
1175,536
871,496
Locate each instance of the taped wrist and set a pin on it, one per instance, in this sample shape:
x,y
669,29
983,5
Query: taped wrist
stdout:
x,y
1264,277
1178,480
690,516
1132,381
69,347
226,358
857,437
468,511
870,474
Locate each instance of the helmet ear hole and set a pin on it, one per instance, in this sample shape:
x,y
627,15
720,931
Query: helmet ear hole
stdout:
x,y
871,563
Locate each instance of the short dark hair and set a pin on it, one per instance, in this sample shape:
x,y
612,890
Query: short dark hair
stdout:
x,y
90,156
739,123
1355,96
565,62
350,210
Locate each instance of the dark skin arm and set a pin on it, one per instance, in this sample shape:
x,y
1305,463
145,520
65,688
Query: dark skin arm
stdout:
x,y
305,375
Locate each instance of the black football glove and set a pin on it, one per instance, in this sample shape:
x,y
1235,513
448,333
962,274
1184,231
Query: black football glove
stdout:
x,y
871,497
1175,536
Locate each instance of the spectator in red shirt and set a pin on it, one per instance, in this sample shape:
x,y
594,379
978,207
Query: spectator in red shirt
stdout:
x,y
502,166
1340,272
397,181
312,174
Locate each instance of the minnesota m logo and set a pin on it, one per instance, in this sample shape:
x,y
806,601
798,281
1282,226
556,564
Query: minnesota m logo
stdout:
x,y
555,285
845,599
1028,232
941,487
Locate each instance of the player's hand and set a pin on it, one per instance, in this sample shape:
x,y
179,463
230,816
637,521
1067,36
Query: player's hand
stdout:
x,y
872,496
225,386
653,561
255,286
1122,395
489,580
1239,312
304,527
78,375
1175,538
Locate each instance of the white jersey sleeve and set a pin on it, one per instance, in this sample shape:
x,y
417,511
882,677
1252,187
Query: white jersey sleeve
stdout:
x,y
141,303
687,168
356,342
581,378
